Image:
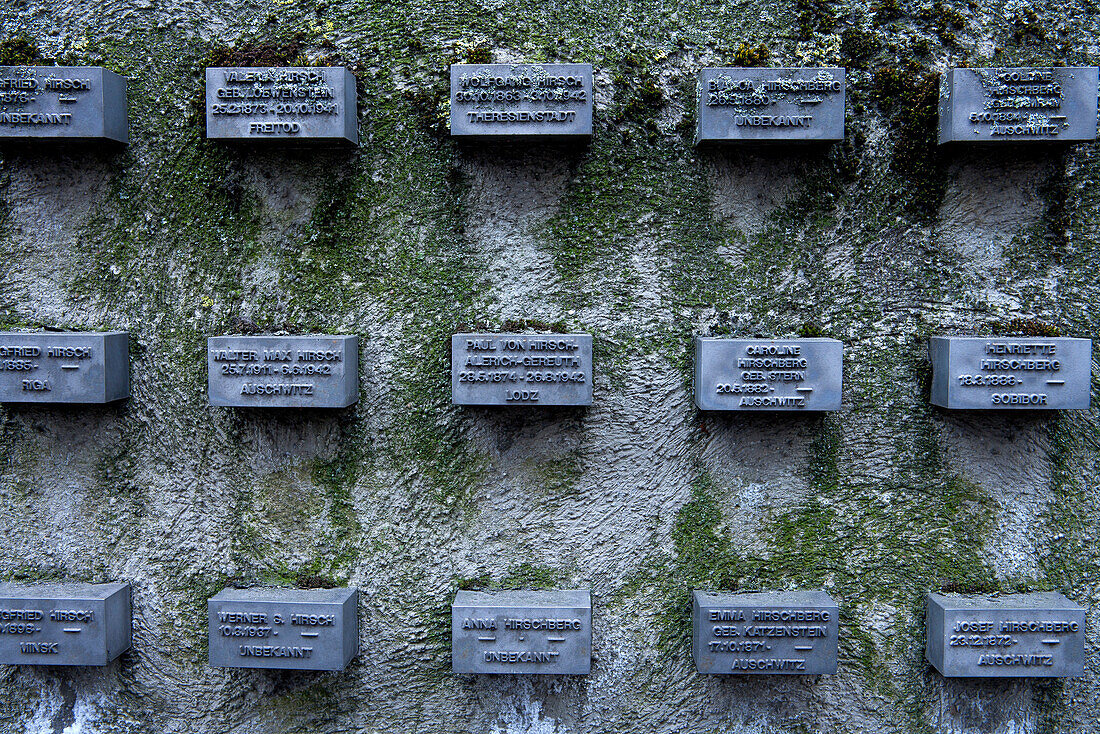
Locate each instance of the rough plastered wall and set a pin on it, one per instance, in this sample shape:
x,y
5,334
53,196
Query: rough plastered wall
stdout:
x,y
639,239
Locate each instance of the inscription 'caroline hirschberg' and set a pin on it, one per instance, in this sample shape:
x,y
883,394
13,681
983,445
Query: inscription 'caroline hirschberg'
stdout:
x,y
1020,102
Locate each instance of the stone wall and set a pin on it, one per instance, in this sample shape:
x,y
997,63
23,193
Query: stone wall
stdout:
x,y
639,238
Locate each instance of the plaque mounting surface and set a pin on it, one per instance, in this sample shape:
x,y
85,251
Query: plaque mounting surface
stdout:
x,y
309,104
63,624
765,633
758,105
768,374
1018,104
1039,635
283,371
521,100
64,367
524,632
284,629
521,369
62,102
1011,373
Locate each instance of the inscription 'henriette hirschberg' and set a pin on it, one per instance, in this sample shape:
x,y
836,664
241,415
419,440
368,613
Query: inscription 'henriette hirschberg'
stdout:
x,y
521,369
768,374
777,104
521,100
70,102
283,371
64,624
1018,104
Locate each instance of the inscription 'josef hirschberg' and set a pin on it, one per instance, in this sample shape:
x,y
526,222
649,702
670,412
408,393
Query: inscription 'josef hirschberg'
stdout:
x,y
521,369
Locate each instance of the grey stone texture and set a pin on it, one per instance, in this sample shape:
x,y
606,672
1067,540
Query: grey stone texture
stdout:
x,y
281,105
283,371
522,632
1018,105
283,629
81,367
1011,373
521,370
764,633
1039,635
62,103
760,105
64,624
521,100
768,374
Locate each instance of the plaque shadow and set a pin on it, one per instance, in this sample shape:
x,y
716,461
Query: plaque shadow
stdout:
x,y
773,696
558,697
984,705
505,426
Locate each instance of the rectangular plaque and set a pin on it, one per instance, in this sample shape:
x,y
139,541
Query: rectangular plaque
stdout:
x,y
521,100
283,371
525,632
1013,636
62,102
521,369
287,103
286,629
768,374
64,367
1027,104
1011,373
753,105
765,633
63,624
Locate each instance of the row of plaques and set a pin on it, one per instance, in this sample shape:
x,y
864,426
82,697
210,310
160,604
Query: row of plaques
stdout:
x,y
1011,373
548,632
751,105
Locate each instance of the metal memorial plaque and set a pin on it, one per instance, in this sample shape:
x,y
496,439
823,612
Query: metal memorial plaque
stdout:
x,y
1011,373
63,624
283,371
766,633
521,100
768,374
754,105
1013,636
525,632
1018,105
62,102
295,103
521,369
64,367
285,629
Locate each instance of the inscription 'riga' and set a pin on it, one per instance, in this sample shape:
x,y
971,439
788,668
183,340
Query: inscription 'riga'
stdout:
x,y
64,367
521,369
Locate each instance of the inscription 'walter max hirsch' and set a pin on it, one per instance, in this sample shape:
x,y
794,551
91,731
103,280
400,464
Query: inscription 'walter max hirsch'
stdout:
x,y
283,371
64,624
62,102
521,100
521,369
64,367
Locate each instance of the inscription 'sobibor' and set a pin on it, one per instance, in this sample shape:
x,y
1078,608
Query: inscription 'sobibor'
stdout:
x,y
283,371
70,102
521,100
310,103
1038,635
521,369
64,367
63,624
288,629
764,374
781,104
786,633
1018,104
1011,373
527,632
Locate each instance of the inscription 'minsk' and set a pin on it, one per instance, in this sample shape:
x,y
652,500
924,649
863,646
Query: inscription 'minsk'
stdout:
x,y
777,104
524,100
521,369
64,624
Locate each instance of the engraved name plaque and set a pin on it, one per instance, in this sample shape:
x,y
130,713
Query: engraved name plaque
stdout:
x,y
526,632
305,104
1013,636
768,374
63,624
521,369
521,100
1018,105
72,367
283,371
1011,373
285,629
770,633
753,105
62,102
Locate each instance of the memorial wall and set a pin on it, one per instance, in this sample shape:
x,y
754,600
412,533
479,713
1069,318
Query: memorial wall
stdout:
x,y
522,368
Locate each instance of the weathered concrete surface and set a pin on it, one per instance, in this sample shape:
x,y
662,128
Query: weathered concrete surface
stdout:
x,y
639,239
